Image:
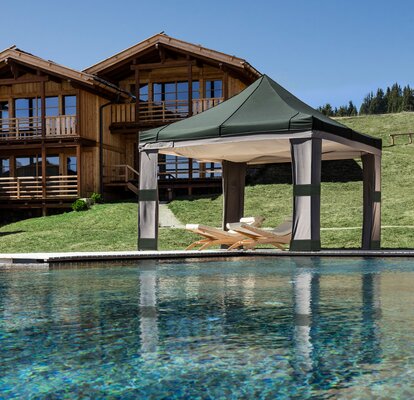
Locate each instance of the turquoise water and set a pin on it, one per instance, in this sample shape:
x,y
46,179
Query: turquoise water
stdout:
x,y
265,328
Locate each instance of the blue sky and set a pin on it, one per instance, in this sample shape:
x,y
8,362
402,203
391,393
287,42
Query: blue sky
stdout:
x,y
321,50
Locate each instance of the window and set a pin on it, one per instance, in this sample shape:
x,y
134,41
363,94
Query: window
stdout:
x,y
25,108
4,115
172,91
29,166
4,167
52,106
72,166
214,89
28,111
52,165
143,91
69,105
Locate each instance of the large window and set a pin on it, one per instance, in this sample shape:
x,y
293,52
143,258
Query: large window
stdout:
x,y
32,107
52,106
172,91
214,89
72,166
29,166
143,91
69,105
4,167
4,115
26,108
52,165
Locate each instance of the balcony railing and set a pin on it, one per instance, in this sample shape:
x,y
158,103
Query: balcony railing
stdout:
x,y
160,111
31,127
30,187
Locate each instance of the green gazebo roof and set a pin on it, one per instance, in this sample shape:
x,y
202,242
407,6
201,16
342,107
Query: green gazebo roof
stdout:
x,y
263,107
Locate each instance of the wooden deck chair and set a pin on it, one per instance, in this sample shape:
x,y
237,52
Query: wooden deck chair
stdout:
x,y
279,237
214,236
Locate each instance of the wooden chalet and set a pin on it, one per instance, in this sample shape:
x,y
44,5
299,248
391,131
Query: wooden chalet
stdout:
x,y
65,134
49,131
173,80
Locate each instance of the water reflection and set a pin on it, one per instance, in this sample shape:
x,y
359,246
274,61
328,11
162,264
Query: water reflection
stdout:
x,y
148,308
294,326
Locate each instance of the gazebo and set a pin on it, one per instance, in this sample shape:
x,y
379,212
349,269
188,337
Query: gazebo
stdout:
x,y
263,124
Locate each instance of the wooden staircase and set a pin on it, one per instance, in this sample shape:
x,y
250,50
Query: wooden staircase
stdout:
x,y
121,176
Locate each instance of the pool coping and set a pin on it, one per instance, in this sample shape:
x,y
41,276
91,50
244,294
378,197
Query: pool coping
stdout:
x,y
46,260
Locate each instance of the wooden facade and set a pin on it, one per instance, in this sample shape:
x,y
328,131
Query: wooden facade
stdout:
x,y
65,134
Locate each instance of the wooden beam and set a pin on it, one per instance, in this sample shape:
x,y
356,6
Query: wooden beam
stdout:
x,y
14,68
159,65
43,126
190,86
225,87
161,52
24,80
137,88
78,167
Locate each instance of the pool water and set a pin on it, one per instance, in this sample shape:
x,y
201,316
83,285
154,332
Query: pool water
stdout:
x,y
264,328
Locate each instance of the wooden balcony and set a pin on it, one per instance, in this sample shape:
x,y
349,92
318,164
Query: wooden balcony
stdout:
x,y
31,127
153,113
30,187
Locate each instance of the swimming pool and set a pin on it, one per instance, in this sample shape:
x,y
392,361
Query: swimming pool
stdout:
x,y
253,328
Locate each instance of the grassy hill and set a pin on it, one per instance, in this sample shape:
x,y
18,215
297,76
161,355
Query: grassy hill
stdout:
x,y
114,226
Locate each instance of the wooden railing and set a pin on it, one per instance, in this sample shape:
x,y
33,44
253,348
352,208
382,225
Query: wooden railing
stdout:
x,y
30,187
31,127
160,111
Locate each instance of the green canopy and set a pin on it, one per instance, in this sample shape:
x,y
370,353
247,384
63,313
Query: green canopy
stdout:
x,y
262,108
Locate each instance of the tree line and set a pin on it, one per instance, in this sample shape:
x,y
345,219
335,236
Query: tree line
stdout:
x,y
393,100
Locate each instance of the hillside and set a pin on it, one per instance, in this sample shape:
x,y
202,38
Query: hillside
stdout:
x,y
114,226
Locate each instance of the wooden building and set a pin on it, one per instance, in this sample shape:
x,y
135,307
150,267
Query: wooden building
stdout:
x,y
65,134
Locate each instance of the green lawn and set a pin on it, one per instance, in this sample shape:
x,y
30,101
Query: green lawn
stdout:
x,y
114,226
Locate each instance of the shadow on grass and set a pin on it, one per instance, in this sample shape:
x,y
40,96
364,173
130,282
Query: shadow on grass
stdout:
x,y
10,233
211,196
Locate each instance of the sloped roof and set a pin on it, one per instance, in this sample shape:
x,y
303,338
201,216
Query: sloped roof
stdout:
x,y
264,107
53,68
168,41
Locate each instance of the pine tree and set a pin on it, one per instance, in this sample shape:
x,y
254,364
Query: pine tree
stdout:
x,y
407,102
394,100
326,110
352,110
366,104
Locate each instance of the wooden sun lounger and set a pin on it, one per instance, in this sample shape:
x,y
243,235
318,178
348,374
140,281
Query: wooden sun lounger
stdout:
x,y
213,236
279,237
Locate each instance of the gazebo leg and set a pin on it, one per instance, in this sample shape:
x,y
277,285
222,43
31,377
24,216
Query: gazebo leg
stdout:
x,y
371,228
148,201
234,177
306,176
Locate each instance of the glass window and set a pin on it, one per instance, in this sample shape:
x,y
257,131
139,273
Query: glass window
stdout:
x,y
214,89
4,109
69,105
72,166
4,115
28,107
29,166
175,95
4,167
52,106
52,165
196,89
143,91
29,112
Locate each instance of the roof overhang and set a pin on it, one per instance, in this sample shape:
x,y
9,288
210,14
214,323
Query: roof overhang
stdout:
x,y
88,81
169,42
261,149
